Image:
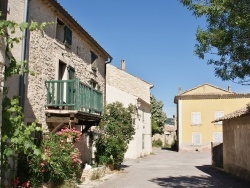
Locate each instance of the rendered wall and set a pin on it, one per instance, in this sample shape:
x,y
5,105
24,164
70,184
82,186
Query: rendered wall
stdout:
x,y
135,147
207,107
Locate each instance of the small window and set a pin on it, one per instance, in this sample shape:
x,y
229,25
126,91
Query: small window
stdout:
x,y
143,111
217,115
196,118
218,137
196,138
94,85
94,58
63,33
3,9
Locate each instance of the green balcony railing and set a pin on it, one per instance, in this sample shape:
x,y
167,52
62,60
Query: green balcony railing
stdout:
x,y
73,95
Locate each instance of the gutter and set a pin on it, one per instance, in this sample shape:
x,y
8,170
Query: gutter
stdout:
x,y
22,81
105,80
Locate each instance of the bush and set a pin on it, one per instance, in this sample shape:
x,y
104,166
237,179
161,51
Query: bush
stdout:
x,y
157,143
59,161
117,123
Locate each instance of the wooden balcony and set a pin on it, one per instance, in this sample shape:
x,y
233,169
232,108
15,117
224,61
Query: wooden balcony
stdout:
x,y
72,100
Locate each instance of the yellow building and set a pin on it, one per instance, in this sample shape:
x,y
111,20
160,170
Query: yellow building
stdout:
x,y
197,108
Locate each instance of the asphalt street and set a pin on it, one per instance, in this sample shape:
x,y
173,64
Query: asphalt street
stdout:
x,y
166,168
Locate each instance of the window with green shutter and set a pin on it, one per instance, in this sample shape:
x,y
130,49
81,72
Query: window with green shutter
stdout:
x,y
63,33
67,36
94,58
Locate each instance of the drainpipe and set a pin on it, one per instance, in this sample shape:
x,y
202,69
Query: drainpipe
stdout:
x,y
105,81
22,81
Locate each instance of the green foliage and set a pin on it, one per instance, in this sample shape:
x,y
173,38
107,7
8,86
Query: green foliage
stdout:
x,y
227,36
59,162
16,137
158,118
157,143
117,124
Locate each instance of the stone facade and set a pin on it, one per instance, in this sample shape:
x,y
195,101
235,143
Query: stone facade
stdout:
x,y
128,83
45,52
127,89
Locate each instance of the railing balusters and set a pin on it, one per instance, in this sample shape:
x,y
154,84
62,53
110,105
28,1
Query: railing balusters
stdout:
x,y
74,95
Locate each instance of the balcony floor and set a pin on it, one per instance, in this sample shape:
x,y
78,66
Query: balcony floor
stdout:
x,y
77,117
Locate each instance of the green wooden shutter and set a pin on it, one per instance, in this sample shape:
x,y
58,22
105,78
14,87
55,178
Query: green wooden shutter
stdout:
x,y
67,36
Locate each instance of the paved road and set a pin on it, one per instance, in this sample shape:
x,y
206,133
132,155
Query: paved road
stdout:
x,y
172,169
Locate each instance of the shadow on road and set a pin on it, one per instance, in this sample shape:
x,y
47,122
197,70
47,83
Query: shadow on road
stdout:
x,y
215,178
186,181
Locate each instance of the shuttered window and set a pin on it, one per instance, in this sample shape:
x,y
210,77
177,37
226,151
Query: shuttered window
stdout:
x,y
217,115
196,138
94,58
67,36
218,137
63,33
196,118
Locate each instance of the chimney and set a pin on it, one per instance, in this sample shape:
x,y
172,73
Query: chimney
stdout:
x,y
123,65
179,91
229,88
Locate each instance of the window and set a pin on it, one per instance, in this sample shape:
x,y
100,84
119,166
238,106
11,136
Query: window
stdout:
x,y
218,115
94,58
196,118
218,137
3,9
143,115
61,71
71,73
196,138
143,141
94,85
63,33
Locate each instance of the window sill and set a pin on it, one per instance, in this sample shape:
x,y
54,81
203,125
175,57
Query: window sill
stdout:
x,y
62,45
196,124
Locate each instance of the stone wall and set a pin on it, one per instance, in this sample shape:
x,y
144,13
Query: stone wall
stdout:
x,y
128,83
45,52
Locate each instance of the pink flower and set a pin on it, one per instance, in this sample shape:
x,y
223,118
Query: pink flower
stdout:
x,y
26,184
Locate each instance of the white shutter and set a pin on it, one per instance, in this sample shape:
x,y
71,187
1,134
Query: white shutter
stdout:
x,y
218,137
217,115
196,138
196,118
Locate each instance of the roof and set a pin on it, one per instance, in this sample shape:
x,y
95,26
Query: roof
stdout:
x,y
208,91
215,89
235,114
59,8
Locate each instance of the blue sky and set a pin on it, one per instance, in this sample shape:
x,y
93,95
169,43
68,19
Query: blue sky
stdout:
x,y
155,37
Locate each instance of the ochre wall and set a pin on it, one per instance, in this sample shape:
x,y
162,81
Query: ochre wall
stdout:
x,y
206,107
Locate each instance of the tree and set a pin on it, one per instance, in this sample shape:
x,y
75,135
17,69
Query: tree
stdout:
x,y
159,117
227,36
117,124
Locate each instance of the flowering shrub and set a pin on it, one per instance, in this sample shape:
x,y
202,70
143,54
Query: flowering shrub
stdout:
x,y
59,161
70,134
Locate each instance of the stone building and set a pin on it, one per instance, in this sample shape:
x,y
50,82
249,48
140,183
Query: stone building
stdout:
x,y
128,89
69,66
197,108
